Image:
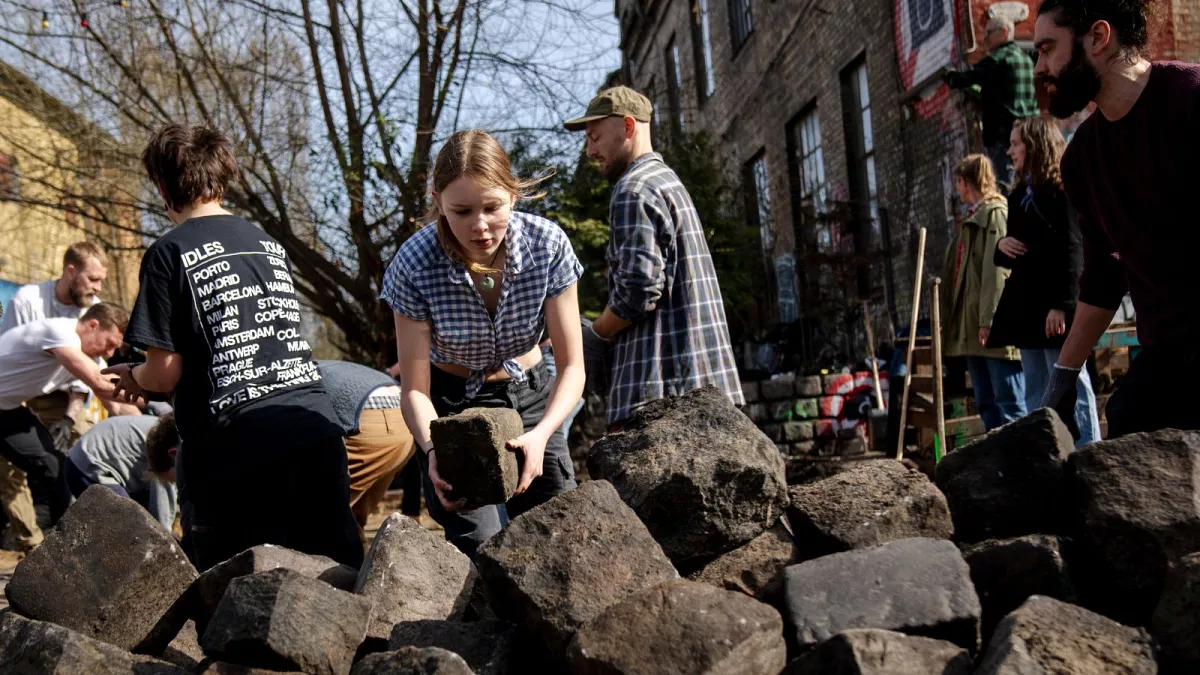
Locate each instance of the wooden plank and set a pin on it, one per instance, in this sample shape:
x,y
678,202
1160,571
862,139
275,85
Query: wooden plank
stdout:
x,y
923,384
922,419
923,356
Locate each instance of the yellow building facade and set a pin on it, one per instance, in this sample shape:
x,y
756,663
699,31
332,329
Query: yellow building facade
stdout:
x,y
57,174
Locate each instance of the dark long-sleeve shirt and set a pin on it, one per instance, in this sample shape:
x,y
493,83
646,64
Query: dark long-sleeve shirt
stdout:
x,y
1133,182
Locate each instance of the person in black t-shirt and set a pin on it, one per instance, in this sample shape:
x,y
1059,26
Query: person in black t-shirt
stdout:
x,y
1131,172
262,457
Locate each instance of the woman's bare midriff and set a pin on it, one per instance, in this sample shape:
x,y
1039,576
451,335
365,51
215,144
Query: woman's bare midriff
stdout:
x,y
498,374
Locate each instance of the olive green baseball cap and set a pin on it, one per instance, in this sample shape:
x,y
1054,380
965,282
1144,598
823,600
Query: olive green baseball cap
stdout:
x,y
614,102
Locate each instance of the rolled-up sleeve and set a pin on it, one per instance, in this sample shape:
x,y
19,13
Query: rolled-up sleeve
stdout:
x,y
401,294
1103,282
565,268
636,264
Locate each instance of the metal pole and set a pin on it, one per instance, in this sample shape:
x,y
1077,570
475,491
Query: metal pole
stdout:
x,y
912,342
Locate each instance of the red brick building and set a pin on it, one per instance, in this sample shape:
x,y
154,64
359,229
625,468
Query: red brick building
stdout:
x,y
833,115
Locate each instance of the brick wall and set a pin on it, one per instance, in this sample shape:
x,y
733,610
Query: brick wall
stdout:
x,y
791,63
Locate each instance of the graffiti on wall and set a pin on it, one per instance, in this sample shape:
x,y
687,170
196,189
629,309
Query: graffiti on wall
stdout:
x,y
925,43
847,401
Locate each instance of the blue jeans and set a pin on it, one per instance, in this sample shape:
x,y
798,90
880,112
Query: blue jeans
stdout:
x,y
999,389
1038,364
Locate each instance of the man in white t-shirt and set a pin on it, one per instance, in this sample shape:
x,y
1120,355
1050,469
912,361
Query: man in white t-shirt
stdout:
x,y
85,268
37,358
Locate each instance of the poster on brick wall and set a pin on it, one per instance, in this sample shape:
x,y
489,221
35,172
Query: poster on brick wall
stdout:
x,y
925,44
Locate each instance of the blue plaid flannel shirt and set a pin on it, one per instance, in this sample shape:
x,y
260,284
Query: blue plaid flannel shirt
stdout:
x,y
661,278
423,284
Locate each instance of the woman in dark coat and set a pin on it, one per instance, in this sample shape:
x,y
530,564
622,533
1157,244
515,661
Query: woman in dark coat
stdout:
x,y
1044,249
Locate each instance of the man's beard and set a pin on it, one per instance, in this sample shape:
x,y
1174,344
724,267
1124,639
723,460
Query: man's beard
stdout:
x,y
616,169
1074,87
80,297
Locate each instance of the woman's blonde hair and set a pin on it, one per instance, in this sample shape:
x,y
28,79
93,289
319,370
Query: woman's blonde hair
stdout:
x,y
978,172
476,154
1044,145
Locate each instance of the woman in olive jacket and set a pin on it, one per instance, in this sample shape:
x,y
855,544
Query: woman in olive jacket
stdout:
x,y
972,292
1044,250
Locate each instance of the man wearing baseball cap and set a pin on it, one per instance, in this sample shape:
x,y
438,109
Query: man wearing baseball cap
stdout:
x,y
665,321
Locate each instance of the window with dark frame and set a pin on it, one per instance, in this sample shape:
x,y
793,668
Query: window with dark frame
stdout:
x,y
864,184
674,83
10,177
706,84
808,162
741,22
758,195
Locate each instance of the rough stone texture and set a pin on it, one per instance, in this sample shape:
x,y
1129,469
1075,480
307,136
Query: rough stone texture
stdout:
x,y
282,620
411,573
797,431
809,386
779,388
697,472
915,586
472,454
222,668
1137,499
751,392
1006,572
561,564
1176,623
867,505
757,412
29,647
486,646
682,627
802,470
1045,635
184,651
107,570
882,652
208,590
413,661
1010,482
755,569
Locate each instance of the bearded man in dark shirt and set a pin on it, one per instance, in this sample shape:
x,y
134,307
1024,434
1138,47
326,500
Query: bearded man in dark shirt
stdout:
x,y
1130,171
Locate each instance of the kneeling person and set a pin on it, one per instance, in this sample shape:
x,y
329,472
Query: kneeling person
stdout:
x,y
134,456
378,442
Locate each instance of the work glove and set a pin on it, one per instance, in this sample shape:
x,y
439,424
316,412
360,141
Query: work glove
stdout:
x,y
60,432
1062,381
595,359
1060,396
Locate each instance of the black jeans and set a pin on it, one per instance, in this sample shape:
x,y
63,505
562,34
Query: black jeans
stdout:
x,y
301,502
26,443
1158,392
469,529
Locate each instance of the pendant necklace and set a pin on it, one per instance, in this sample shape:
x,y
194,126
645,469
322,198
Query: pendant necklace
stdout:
x,y
486,281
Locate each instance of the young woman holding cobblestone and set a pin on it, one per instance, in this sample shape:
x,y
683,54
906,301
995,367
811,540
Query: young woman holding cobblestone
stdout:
x,y
472,293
